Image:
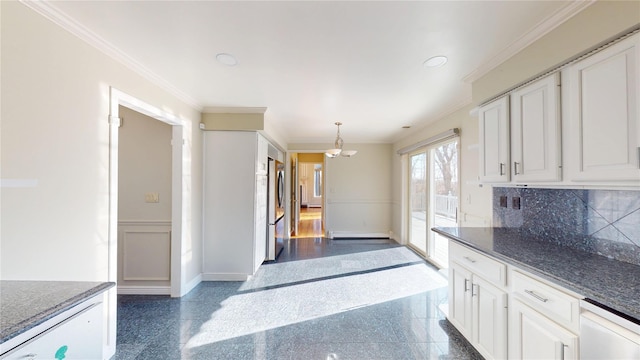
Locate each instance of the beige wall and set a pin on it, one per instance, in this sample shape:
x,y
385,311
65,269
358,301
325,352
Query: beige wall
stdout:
x,y
358,190
144,162
55,134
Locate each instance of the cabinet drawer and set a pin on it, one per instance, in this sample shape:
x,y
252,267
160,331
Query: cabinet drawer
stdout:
x,y
555,304
76,338
487,268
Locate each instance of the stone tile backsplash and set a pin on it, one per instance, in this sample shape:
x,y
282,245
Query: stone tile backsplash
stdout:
x,y
605,222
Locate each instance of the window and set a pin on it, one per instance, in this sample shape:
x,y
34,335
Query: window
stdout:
x,y
317,180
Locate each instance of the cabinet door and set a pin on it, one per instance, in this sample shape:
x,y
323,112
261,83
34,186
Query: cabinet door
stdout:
x,y
494,141
534,336
535,131
460,298
489,319
604,114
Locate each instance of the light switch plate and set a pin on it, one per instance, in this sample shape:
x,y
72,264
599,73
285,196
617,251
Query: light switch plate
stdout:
x,y
151,197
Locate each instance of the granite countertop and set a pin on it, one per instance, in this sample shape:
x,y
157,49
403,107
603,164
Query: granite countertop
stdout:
x,y
27,304
612,283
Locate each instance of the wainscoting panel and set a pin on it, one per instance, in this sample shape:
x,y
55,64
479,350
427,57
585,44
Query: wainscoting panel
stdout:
x,y
144,256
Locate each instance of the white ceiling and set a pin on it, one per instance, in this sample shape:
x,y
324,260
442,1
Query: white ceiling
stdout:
x,y
314,63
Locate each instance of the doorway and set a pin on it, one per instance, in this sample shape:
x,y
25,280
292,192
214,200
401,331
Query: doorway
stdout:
x,y
117,99
310,196
433,198
144,204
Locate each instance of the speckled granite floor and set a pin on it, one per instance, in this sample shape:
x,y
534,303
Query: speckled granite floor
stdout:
x,y
322,299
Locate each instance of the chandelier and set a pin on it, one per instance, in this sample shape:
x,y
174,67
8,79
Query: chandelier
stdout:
x,y
337,150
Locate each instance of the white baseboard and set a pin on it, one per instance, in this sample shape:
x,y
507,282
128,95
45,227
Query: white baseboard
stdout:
x,y
144,290
356,235
224,277
191,284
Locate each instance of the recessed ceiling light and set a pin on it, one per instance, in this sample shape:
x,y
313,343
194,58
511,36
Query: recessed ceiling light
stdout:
x,y
226,59
435,61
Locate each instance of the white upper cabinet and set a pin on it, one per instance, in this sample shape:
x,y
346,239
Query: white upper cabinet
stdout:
x,y
494,141
535,131
603,115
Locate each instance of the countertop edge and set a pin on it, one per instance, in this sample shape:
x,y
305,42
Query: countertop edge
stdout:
x,y
576,288
40,318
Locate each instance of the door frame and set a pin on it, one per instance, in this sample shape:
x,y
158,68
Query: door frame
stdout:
x,y
118,98
288,186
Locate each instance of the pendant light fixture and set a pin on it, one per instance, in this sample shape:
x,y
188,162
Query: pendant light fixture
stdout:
x,y
337,150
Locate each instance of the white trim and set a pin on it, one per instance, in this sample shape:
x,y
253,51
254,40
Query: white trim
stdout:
x,y
57,16
539,30
144,223
358,235
143,290
192,284
140,106
224,277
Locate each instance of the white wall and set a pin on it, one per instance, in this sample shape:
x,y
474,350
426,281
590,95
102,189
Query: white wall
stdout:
x,y
55,136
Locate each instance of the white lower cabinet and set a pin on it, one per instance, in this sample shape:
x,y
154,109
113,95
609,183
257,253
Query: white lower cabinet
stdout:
x,y
78,337
524,318
477,308
535,336
544,320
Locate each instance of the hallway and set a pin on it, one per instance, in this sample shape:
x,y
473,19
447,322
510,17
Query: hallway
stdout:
x,y
310,225
322,299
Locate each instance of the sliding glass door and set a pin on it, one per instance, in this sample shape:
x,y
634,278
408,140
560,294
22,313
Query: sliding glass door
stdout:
x,y
418,201
433,198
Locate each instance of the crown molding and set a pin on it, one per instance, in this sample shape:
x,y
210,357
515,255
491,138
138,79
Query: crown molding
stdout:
x,y
58,17
536,32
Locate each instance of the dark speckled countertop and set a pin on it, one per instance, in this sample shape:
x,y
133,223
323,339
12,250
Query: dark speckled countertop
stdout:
x,y
615,284
26,304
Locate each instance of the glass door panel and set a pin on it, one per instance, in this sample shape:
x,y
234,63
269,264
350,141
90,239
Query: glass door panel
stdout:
x,y
418,201
443,191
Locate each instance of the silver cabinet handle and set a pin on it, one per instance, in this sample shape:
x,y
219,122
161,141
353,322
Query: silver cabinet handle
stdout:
x,y
536,296
466,285
474,289
501,168
515,168
469,259
562,346
31,356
